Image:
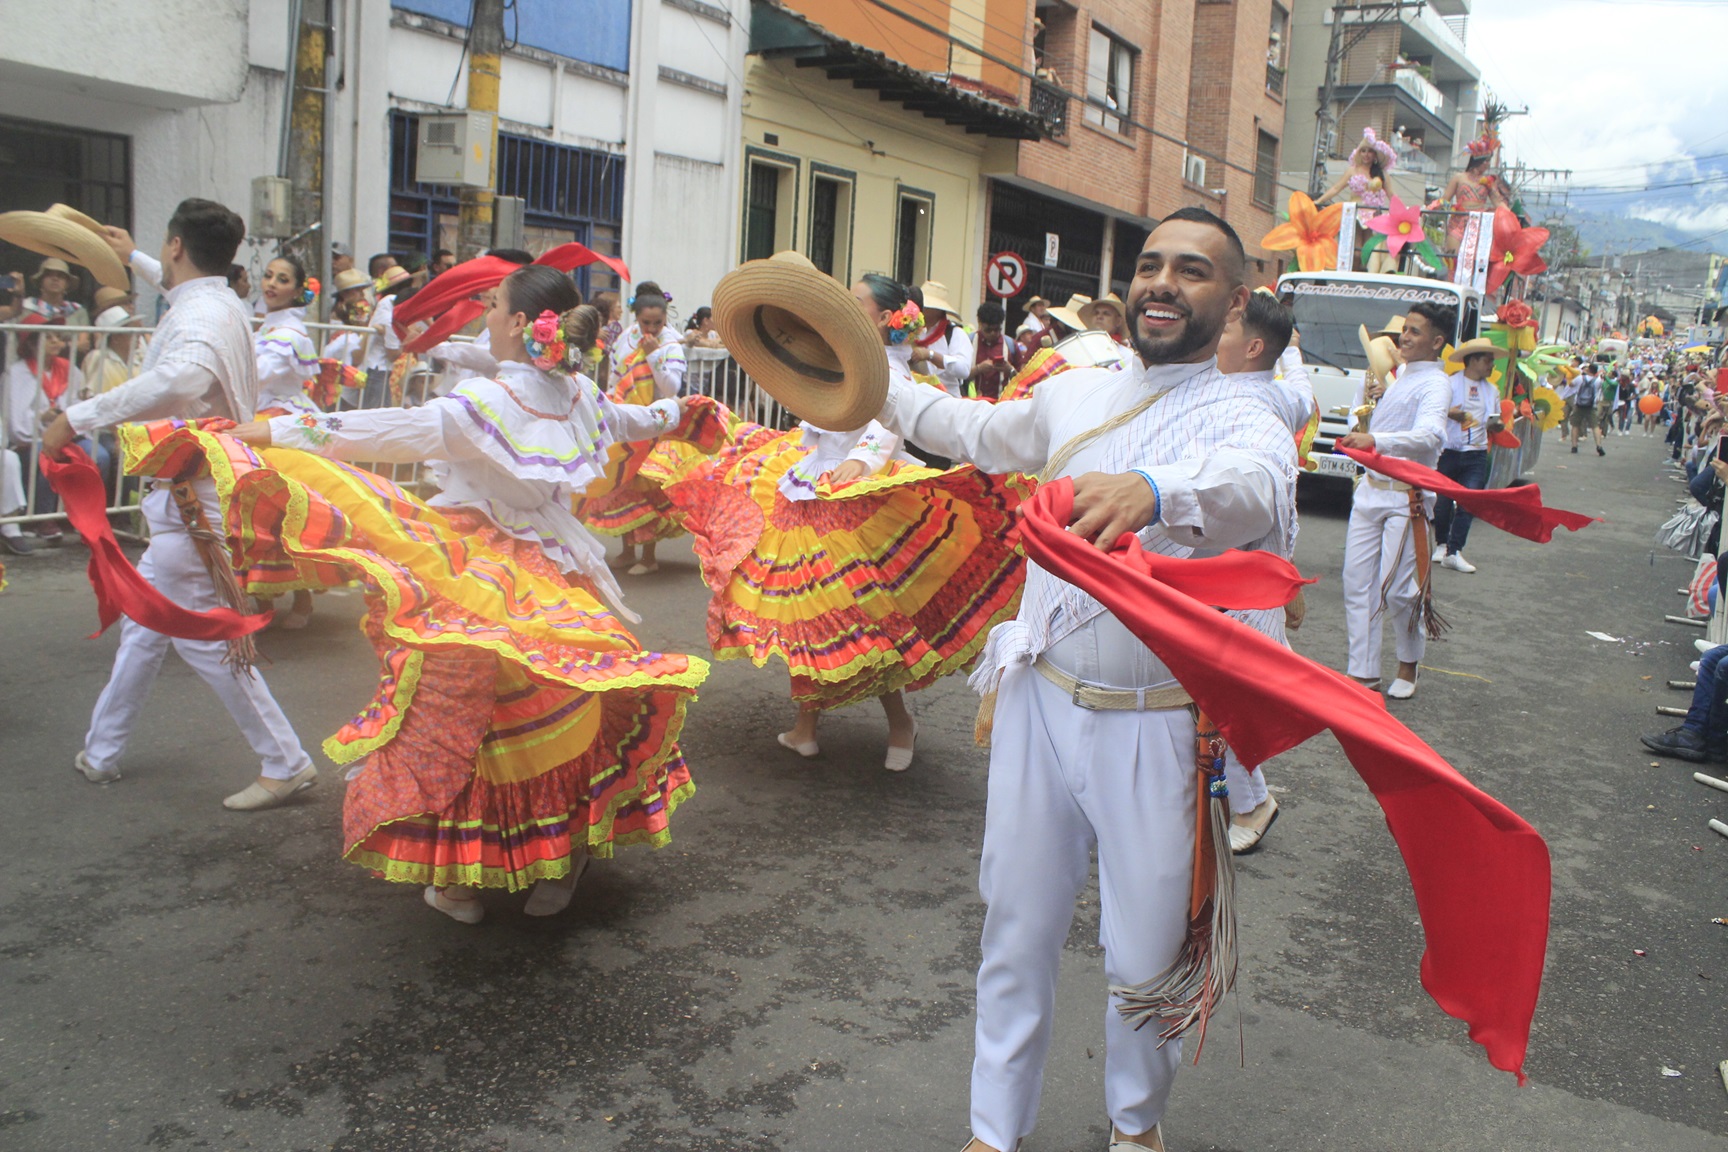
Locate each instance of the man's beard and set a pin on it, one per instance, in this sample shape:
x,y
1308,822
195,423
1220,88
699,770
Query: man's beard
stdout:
x,y
1194,336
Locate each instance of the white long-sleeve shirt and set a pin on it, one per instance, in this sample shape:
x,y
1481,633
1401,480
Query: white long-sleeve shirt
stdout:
x,y
957,353
1410,419
27,406
514,449
286,360
200,362
1481,400
1223,462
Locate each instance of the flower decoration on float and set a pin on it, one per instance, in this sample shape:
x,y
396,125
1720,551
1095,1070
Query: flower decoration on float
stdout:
x,y
309,291
1311,233
1548,407
905,322
544,340
1514,249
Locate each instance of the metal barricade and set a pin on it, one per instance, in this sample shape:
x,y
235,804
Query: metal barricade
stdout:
x,y
714,373
115,356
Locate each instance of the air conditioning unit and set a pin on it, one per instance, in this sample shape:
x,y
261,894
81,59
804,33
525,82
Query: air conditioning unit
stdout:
x,y
270,217
1194,169
456,149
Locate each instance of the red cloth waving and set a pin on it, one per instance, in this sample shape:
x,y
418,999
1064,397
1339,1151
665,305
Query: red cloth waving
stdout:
x,y
121,588
1480,873
1519,511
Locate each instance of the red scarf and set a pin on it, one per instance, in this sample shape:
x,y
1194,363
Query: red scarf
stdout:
x,y
934,330
59,375
1519,511
121,588
1479,872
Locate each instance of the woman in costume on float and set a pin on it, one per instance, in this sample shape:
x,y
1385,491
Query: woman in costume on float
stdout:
x,y
647,362
1365,185
1473,190
287,359
518,728
867,574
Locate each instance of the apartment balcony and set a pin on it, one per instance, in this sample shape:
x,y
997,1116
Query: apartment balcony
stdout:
x,y
1411,108
1423,90
1275,81
1430,35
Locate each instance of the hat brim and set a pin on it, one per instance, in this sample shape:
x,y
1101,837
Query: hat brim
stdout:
x,y
1069,317
802,337
52,235
1090,312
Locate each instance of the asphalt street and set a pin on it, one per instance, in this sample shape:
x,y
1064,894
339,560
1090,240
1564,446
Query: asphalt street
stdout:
x,y
794,973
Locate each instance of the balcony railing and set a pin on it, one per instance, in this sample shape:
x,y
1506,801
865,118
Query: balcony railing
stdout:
x,y
1419,86
1050,104
1275,80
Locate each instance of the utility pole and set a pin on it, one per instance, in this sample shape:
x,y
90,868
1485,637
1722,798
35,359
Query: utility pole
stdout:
x,y
305,143
485,49
1371,17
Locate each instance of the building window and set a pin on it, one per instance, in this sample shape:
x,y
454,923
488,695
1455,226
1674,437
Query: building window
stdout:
x,y
44,163
770,203
1277,49
568,194
1109,82
912,236
1266,170
830,247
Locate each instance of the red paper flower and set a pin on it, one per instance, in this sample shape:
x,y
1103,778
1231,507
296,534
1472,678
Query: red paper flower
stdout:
x,y
1514,249
1515,314
1401,225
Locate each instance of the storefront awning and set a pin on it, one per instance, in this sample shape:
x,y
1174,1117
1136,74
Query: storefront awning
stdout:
x,y
778,32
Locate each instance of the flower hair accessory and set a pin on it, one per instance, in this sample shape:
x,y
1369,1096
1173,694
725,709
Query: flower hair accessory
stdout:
x,y
905,322
545,341
1388,154
631,303
309,292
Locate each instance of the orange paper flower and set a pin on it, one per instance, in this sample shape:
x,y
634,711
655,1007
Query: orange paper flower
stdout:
x,y
1312,233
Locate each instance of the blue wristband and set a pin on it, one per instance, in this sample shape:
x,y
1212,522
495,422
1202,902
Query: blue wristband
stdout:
x,y
1157,496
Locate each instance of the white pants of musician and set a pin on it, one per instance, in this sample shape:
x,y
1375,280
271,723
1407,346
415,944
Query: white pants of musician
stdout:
x,y
1376,544
172,564
1063,780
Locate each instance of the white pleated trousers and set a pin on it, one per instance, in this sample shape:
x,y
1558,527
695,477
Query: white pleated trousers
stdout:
x,y
172,564
1376,543
1063,780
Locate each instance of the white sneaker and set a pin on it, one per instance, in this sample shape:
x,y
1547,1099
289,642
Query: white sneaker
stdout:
x,y
95,775
1402,689
1439,556
1694,665
1456,562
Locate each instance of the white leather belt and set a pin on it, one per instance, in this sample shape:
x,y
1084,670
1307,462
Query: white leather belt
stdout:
x,y
1388,485
1095,699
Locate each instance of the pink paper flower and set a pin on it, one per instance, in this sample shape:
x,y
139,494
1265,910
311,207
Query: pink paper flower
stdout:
x,y
1401,224
546,327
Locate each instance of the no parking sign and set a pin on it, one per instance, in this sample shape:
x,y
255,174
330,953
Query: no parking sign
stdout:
x,y
1006,275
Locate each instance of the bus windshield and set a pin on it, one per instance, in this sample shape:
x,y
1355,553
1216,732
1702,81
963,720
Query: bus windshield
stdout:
x,y
1329,316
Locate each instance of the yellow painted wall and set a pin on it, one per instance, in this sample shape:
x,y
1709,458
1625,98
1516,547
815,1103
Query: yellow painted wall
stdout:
x,y
830,122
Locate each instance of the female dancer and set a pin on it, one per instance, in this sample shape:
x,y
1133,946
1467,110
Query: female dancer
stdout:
x,y
286,360
647,362
867,574
519,728
1365,184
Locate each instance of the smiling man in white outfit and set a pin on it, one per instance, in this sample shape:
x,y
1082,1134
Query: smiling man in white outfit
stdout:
x,y
1094,740
1380,548
200,363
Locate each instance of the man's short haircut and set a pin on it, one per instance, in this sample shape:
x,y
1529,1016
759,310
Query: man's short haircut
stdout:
x,y
372,268
210,232
1268,319
441,253
514,255
1443,317
235,271
1233,242
990,312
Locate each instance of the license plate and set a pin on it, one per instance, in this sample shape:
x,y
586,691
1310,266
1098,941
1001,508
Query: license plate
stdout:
x,y
1334,465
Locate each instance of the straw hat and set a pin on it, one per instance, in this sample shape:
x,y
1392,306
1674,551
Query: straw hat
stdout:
x,y
936,298
1035,300
351,278
115,318
800,334
1481,346
65,234
107,298
1071,312
1394,328
392,276
1382,353
1107,302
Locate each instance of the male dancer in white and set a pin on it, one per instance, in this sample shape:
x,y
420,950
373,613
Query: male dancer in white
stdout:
x,y
1252,350
200,363
1094,742
1409,421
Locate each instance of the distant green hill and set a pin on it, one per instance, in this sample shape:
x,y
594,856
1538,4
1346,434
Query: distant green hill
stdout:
x,y
1605,233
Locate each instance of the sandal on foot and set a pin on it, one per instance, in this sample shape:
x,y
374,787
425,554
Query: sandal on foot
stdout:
x,y
551,897
807,749
469,911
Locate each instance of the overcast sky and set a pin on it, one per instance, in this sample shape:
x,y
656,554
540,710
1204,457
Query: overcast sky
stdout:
x,y
1623,92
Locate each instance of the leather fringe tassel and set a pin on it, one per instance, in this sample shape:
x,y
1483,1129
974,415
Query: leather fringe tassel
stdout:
x,y
986,721
1422,540
1184,996
213,550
